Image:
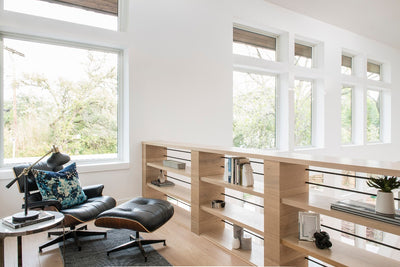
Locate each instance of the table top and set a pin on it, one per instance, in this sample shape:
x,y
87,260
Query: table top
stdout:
x,y
31,229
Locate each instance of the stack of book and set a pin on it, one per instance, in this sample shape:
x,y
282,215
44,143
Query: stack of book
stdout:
x,y
234,169
43,216
365,210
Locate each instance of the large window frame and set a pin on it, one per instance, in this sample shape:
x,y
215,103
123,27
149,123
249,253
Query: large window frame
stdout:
x,y
83,159
36,28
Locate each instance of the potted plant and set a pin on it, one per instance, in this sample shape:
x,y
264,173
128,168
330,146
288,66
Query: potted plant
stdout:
x,y
384,199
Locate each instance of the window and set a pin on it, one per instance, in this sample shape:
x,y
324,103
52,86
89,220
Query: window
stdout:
x,y
303,112
373,115
252,44
347,65
347,114
374,71
62,95
254,110
303,55
97,13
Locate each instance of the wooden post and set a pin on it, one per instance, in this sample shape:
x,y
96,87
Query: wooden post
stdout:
x,y
2,263
280,180
151,154
205,164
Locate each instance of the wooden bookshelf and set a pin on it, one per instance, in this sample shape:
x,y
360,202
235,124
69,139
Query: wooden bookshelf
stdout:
x,y
245,218
176,191
284,192
224,237
322,205
159,165
219,180
340,254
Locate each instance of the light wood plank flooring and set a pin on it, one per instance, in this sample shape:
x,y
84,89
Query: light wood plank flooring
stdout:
x,y
183,247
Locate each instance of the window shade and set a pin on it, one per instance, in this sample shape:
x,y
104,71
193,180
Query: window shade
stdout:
x,y
374,68
109,7
303,50
347,61
255,39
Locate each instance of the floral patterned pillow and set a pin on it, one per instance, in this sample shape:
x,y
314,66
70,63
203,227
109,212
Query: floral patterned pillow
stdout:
x,y
63,186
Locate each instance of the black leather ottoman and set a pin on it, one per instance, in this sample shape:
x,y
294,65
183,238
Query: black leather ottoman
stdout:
x,y
139,214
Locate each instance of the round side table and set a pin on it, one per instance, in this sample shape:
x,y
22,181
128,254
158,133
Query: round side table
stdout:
x,y
6,231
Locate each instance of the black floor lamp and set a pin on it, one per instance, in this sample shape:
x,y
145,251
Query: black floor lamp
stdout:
x,y
56,159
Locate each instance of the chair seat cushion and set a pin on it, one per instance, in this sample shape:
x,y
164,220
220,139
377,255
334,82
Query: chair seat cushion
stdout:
x,y
147,212
91,208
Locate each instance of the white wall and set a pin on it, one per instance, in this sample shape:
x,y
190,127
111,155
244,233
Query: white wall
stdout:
x,y
180,76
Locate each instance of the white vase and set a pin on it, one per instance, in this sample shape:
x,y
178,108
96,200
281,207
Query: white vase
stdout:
x,y
385,203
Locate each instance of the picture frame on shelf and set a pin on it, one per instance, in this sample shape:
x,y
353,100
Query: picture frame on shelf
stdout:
x,y
309,223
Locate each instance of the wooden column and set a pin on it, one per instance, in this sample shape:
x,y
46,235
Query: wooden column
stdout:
x,y
151,154
280,180
205,164
2,263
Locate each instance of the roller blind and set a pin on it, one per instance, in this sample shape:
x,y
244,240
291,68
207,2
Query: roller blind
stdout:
x,y
109,7
247,37
347,61
374,68
303,50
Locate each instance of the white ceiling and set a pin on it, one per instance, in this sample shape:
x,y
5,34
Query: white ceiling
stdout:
x,y
375,19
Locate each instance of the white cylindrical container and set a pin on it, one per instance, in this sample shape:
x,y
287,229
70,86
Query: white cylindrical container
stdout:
x,y
385,203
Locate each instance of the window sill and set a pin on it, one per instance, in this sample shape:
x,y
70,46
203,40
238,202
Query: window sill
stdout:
x,y
6,173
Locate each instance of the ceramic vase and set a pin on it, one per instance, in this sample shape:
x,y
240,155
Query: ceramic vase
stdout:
x,y
385,203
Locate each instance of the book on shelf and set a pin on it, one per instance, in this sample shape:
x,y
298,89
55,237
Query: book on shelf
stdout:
x,y
365,210
43,216
234,169
164,184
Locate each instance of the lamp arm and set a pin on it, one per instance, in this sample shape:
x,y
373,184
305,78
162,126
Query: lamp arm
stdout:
x,y
26,170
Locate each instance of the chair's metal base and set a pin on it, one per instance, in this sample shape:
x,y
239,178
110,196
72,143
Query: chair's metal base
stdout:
x,y
137,242
72,233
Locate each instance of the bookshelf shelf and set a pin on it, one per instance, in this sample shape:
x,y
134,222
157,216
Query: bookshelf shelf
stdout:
x,y
340,254
322,204
159,165
284,192
176,191
223,238
247,219
219,180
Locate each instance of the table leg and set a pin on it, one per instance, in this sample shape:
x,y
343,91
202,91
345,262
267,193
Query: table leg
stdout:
x,y
2,252
19,238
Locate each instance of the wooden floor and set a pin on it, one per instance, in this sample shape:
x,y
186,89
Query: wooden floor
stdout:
x,y
183,247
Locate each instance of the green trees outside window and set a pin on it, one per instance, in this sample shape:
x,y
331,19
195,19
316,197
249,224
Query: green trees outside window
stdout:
x,y
347,114
59,95
373,116
303,113
254,110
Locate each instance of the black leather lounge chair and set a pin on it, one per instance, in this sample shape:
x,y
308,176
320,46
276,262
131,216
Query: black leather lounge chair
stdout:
x,y
95,204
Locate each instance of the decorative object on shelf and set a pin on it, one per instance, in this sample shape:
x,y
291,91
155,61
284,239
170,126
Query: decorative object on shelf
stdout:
x,y
248,179
245,243
322,240
237,231
217,204
174,164
161,177
236,243
384,199
309,223
56,159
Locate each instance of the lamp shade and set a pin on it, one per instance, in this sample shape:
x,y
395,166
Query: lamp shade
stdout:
x,y
57,159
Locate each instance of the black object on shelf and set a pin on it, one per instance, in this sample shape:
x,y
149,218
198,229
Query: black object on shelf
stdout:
x,y
365,210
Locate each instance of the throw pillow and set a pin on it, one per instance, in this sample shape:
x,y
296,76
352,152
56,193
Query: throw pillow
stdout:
x,y
63,186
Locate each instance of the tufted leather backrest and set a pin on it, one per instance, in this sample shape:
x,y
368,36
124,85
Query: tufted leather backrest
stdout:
x,y
31,178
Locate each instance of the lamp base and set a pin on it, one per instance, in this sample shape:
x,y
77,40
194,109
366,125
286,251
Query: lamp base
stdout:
x,y
22,217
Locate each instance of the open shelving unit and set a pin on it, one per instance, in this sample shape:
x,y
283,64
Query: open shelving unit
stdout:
x,y
284,193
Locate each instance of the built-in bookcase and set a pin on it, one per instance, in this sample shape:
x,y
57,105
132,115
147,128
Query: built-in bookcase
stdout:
x,y
285,193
